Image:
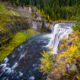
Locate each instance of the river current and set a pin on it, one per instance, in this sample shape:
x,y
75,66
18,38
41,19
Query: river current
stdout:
x,y
24,61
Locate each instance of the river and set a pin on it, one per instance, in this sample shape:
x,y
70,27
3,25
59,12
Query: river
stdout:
x,y
24,61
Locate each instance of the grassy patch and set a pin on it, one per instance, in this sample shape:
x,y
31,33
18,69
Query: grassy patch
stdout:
x,y
18,38
11,21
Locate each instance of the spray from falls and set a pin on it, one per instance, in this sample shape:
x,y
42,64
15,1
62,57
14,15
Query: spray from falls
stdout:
x,y
59,31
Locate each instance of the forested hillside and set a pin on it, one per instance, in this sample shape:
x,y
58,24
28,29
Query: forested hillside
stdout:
x,y
55,9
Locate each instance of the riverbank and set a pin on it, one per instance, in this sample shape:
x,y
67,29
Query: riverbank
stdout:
x,y
14,29
17,25
16,40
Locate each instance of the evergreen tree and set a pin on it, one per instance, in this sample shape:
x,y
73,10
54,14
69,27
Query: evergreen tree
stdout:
x,y
56,9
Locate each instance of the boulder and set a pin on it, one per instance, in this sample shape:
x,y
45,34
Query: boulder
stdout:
x,y
71,68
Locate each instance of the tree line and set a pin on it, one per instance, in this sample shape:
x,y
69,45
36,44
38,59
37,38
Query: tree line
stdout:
x,y
56,9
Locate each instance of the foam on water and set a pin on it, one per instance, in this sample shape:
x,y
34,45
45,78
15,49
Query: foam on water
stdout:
x,y
58,33
32,78
15,65
23,63
20,74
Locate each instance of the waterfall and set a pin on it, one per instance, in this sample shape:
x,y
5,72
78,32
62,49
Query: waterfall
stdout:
x,y
59,31
23,63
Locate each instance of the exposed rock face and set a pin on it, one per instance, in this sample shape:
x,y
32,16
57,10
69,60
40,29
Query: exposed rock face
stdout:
x,y
18,24
23,22
41,26
71,69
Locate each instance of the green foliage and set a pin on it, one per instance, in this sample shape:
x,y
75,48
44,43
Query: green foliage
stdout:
x,y
22,36
4,16
18,38
56,9
70,56
43,28
77,27
11,23
2,8
46,62
4,11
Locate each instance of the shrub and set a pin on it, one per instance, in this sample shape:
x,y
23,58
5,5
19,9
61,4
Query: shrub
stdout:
x,y
46,62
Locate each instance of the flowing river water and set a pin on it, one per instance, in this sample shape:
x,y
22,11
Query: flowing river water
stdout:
x,y
23,63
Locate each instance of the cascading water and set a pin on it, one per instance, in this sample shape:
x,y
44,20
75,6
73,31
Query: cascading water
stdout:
x,y
59,32
23,63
